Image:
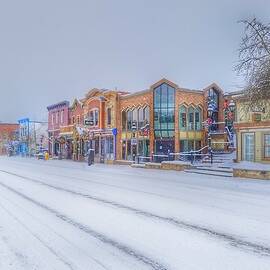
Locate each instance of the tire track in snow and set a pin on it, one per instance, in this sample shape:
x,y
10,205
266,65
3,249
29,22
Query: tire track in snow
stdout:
x,y
231,239
49,228
53,251
101,237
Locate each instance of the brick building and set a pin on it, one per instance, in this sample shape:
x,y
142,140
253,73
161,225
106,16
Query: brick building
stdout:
x,y
167,118
58,120
7,135
77,129
163,119
101,115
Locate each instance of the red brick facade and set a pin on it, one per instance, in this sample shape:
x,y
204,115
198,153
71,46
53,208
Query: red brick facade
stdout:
x,y
103,111
7,133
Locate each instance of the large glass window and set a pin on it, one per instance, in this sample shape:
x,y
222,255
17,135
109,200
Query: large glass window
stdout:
x,y
190,118
198,118
189,145
183,118
135,118
267,145
213,98
164,117
141,118
129,120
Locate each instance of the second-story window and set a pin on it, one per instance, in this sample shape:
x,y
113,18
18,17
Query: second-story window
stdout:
x,y
109,116
190,118
93,117
78,120
62,117
56,120
96,117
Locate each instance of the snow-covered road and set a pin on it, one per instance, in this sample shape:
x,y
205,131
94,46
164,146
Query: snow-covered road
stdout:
x,y
65,215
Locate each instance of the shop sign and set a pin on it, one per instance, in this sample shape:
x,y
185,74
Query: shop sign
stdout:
x,y
133,141
88,122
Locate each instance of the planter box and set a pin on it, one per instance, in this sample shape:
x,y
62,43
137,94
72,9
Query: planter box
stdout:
x,y
175,165
151,165
122,162
252,173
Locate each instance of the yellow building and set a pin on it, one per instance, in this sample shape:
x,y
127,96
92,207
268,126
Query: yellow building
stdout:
x,y
253,131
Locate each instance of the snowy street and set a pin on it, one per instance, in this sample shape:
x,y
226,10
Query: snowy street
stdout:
x,y
65,215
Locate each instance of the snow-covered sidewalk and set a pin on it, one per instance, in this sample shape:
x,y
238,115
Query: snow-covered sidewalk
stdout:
x,y
65,215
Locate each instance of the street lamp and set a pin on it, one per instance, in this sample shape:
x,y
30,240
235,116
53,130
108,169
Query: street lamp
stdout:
x,y
232,105
133,140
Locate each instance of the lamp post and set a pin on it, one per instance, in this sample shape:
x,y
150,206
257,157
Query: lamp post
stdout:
x,y
134,139
231,107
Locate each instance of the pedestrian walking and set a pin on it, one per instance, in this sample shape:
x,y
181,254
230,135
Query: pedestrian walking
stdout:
x,y
91,156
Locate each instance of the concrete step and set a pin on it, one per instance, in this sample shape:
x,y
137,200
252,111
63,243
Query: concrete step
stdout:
x,y
214,169
210,172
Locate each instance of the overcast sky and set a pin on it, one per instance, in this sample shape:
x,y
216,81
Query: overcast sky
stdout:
x,y
53,50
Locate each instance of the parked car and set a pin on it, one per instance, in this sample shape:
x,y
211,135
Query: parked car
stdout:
x,y
41,154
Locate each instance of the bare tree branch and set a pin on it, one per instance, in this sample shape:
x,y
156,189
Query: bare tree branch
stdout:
x,y
254,61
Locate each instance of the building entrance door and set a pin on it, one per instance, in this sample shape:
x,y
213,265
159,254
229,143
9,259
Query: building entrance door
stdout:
x,y
163,147
248,146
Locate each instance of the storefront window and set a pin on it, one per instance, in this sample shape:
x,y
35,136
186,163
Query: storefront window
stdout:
x,y
129,150
267,145
143,148
124,150
189,145
97,145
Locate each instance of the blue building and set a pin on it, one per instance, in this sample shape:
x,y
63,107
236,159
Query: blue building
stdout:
x,y
24,136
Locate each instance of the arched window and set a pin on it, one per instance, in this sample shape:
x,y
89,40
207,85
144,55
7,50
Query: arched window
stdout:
x,y
164,99
198,118
190,118
124,120
213,99
135,118
183,118
140,112
129,120
146,115
109,116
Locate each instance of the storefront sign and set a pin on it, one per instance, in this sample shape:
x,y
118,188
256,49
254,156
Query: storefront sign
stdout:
x,y
88,122
133,141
